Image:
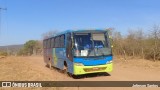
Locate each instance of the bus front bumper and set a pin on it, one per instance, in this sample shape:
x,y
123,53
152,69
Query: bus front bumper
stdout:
x,y
79,70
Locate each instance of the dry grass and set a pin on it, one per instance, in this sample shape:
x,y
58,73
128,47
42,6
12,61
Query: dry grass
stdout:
x,y
138,63
12,69
1,57
21,68
33,69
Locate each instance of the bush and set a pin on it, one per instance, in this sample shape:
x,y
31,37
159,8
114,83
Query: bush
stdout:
x,y
2,53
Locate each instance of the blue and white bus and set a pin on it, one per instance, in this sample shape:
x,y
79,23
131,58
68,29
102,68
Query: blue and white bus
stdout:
x,y
79,52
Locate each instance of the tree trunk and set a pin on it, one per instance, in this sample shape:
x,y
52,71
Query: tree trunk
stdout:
x,y
124,54
142,53
133,53
154,57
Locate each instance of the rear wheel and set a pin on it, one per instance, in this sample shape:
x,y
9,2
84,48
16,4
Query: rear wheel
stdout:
x,y
49,64
65,69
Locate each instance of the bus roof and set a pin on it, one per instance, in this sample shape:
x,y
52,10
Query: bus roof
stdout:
x,y
79,31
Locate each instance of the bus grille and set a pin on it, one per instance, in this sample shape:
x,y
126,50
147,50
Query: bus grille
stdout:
x,y
94,69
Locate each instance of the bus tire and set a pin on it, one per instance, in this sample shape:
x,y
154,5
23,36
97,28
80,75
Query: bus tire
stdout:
x,y
49,64
76,76
65,69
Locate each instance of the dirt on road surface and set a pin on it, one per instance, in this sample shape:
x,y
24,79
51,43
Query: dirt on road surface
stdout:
x,y
33,68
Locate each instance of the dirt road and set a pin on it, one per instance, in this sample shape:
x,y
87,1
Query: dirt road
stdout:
x,y
34,69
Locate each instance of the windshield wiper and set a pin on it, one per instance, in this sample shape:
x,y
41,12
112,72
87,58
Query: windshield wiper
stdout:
x,y
92,48
100,51
89,51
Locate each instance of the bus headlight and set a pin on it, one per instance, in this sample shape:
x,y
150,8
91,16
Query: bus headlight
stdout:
x,y
78,64
109,62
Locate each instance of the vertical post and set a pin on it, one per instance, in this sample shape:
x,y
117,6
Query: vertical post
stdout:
x,y
124,54
133,53
154,52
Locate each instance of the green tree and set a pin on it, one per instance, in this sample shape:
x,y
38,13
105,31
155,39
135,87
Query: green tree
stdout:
x,y
31,47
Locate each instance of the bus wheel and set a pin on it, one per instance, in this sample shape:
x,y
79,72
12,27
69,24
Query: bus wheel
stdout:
x,y
69,74
49,65
76,76
65,69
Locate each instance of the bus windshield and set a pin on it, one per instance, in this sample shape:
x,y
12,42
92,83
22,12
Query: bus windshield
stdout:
x,y
91,44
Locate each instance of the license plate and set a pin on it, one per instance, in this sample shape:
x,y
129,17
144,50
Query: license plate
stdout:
x,y
95,68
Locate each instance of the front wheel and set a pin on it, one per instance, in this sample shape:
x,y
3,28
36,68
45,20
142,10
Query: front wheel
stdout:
x,y
65,70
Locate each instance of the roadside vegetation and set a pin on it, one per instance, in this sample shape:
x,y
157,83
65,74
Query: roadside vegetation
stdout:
x,y
3,54
31,47
135,44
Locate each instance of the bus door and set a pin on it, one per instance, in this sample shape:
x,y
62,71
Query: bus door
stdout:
x,y
69,47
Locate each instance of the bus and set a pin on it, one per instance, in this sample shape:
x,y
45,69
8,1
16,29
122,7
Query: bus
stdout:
x,y
79,52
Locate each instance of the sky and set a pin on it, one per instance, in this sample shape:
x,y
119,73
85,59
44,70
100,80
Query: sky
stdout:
x,y
28,19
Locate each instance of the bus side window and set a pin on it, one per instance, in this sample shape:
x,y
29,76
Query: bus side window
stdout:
x,y
45,43
57,40
52,43
62,41
48,43
68,39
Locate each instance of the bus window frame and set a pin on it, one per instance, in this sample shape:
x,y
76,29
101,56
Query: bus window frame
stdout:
x,y
69,49
62,41
52,42
44,44
49,43
56,42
